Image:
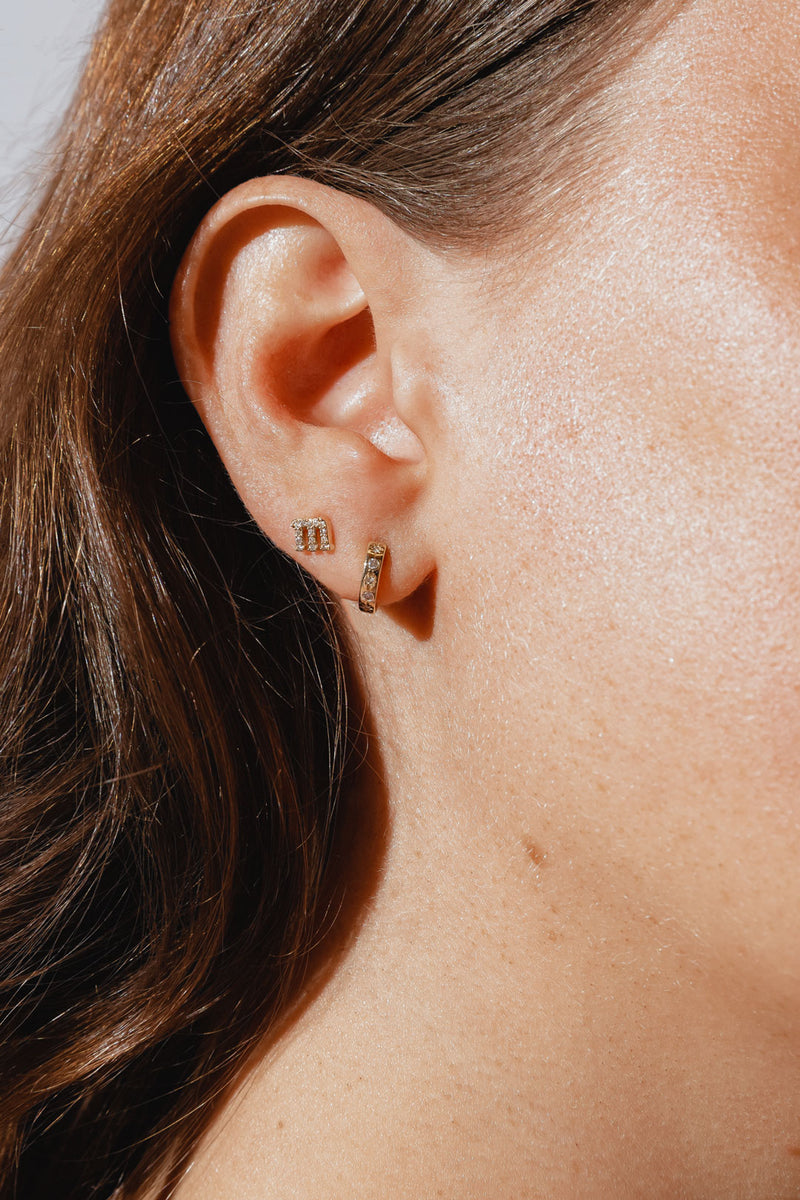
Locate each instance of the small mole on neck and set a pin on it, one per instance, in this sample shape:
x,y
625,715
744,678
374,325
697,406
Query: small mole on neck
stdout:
x,y
534,852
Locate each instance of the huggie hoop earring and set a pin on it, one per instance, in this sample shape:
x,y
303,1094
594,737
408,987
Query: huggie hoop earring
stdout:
x,y
312,534
371,577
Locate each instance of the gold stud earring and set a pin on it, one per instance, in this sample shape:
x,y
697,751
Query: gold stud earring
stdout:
x,y
371,577
312,534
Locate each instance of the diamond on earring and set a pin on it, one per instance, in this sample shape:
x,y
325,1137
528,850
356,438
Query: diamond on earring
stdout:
x,y
312,534
370,577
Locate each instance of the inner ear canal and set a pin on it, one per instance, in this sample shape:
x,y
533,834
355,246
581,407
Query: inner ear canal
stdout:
x,y
333,376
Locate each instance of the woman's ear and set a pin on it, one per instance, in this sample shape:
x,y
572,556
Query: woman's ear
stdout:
x,y
288,328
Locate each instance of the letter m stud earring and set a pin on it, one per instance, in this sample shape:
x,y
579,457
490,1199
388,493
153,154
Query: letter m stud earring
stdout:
x,y
312,534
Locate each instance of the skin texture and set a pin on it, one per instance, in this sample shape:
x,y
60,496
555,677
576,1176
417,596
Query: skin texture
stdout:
x,y
575,969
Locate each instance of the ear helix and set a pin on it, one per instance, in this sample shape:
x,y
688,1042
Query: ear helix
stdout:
x,y
313,535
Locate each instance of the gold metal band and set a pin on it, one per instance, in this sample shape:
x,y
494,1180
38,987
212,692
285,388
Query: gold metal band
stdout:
x,y
371,577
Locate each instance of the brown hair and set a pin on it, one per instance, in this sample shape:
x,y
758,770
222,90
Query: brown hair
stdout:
x,y
174,725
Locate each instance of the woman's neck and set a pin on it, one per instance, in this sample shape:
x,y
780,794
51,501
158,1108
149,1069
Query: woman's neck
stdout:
x,y
504,1017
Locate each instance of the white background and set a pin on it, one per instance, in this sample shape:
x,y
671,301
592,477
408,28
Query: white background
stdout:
x,y
42,46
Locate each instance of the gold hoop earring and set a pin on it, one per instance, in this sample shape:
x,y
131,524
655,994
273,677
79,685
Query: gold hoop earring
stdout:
x,y
371,577
312,534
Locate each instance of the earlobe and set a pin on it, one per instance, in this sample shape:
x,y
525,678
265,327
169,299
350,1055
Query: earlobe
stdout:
x,y
285,331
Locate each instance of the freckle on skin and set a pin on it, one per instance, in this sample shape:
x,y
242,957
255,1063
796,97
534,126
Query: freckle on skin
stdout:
x,y
280,1124
794,1151
534,853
